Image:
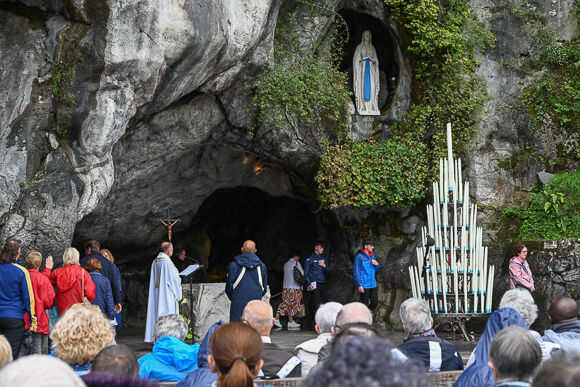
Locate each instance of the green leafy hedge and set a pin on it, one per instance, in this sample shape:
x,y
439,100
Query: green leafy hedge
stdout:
x,y
384,173
553,211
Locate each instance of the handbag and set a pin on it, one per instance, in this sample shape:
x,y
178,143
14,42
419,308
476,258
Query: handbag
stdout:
x,y
84,299
298,277
27,342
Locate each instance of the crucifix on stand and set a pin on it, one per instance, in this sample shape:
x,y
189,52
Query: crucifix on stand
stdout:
x,y
169,223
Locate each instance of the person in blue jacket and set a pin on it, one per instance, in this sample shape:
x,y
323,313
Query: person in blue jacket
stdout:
x,y
202,376
365,267
315,270
247,280
103,292
479,373
171,359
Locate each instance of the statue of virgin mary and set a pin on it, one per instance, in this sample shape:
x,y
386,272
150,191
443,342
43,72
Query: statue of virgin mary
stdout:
x,y
365,69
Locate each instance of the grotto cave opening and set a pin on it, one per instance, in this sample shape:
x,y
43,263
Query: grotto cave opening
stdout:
x,y
229,216
384,44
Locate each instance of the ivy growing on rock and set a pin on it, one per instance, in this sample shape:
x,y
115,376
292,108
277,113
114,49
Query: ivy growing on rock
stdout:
x,y
443,37
383,173
554,98
302,88
553,211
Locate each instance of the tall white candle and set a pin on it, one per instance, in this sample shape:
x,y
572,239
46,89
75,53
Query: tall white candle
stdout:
x,y
412,278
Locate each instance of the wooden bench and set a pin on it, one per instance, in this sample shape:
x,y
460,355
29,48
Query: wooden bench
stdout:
x,y
286,382
443,379
437,379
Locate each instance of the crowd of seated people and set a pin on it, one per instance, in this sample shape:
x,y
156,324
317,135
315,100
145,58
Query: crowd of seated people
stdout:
x,y
348,351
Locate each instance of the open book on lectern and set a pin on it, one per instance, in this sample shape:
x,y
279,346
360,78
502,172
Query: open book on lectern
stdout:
x,y
190,269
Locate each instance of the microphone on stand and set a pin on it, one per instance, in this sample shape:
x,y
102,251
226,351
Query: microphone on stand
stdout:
x,y
430,241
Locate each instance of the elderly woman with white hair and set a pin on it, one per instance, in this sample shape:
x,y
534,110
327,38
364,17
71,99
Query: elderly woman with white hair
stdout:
x,y
325,318
72,281
171,359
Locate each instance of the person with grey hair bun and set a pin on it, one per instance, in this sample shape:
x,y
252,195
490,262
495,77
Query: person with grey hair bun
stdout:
x,y
171,359
308,351
514,356
422,343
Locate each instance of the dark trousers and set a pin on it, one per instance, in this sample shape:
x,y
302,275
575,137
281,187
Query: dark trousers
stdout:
x,y
13,329
370,298
314,299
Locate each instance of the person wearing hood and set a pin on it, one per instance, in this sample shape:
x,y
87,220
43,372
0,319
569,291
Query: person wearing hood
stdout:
x,y
171,359
479,373
365,267
202,376
247,280
565,330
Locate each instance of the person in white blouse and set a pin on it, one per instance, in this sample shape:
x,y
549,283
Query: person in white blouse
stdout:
x,y
292,304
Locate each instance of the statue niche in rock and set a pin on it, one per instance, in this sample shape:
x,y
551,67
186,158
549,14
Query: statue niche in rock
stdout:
x,y
365,68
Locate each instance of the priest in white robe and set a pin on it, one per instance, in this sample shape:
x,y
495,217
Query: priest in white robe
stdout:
x,y
164,289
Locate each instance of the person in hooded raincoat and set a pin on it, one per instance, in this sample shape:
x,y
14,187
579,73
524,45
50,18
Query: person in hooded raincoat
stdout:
x,y
171,360
164,289
479,374
247,280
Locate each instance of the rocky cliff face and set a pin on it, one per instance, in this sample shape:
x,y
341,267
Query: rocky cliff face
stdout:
x,y
111,112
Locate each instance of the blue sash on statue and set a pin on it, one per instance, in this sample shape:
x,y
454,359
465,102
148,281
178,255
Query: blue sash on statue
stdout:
x,y
367,81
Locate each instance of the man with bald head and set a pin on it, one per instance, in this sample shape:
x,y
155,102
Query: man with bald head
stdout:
x,y
565,331
247,280
277,362
164,289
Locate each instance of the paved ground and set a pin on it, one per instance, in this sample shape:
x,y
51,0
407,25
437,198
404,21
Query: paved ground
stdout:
x,y
133,338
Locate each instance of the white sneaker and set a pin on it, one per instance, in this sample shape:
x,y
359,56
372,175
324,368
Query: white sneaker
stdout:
x,y
293,325
277,324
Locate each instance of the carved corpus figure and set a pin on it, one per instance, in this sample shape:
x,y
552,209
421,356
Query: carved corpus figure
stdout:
x,y
365,68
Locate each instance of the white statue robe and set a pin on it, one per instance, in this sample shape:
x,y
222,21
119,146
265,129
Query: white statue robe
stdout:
x,y
364,51
164,292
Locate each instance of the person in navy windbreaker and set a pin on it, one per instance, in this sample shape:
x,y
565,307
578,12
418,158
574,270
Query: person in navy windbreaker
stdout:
x,y
202,376
315,271
103,292
365,267
247,280
422,343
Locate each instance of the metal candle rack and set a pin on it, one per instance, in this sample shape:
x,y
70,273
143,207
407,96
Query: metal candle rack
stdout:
x,y
453,274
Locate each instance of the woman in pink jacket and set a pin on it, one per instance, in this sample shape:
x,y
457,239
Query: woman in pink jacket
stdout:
x,y
520,273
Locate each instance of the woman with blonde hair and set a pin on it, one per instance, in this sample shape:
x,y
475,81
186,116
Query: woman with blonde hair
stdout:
x,y
236,355
43,300
5,352
72,281
80,334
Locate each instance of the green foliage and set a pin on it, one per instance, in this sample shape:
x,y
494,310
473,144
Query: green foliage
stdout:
x,y
383,173
62,83
553,211
443,37
302,88
553,98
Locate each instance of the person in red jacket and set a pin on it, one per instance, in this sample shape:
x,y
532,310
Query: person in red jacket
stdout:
x,y
43,299
69,281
